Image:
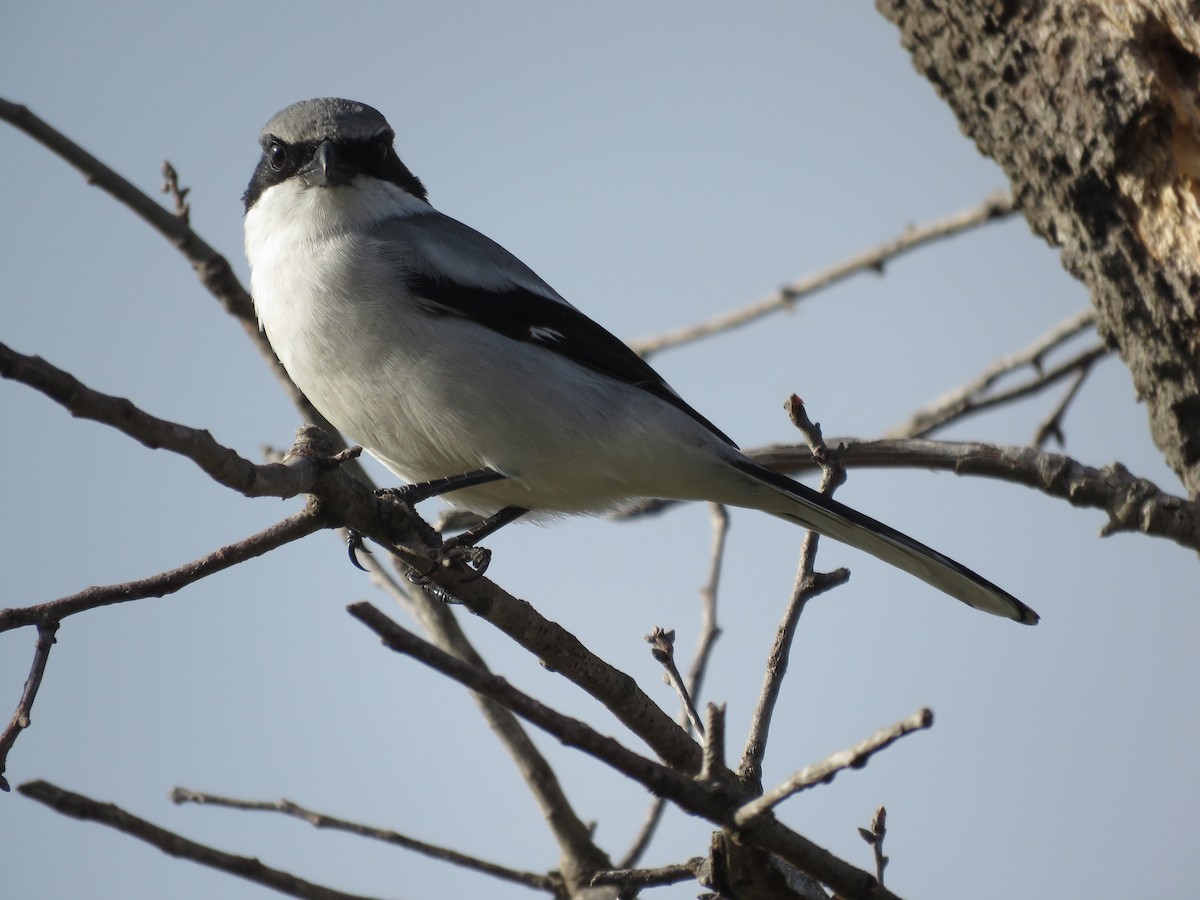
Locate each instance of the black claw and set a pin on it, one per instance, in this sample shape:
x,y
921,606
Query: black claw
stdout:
x,y
354,543
480,558
476,558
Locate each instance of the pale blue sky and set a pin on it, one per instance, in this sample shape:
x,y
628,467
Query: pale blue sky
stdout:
x,y
656,164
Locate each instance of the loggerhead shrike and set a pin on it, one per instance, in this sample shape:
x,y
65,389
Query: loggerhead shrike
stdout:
x,y
444,354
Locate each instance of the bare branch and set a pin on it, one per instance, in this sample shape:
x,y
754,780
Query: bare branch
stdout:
x,y
808,584
322,820
709,632
565,654
641,878
874,836
574,837
570,731
355,506
80,807
995,207
213,269
183,212
220,463
1132,503
21,718
662,648
973,397
303,523
717,803
1051,427
714,769
645,834
709,629
820,773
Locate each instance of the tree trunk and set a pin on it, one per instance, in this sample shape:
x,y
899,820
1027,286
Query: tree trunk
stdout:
x,y
1092,108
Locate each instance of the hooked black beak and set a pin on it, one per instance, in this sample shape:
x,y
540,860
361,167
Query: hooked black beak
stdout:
x,y
328,167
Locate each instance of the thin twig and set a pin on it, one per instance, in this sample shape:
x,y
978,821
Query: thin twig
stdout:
x,y
874,836
975,405
820,773
564,653
21,717
183,212
809,583
973,397
1051,427
995,207
322,820
662,648
303,523
709,629
573,835
645,833
247,867
213,269
709,632
570,731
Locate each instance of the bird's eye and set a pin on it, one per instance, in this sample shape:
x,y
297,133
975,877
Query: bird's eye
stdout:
x,y
379,149
277,154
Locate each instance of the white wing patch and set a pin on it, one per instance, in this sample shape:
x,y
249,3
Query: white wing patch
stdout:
x,y
544,333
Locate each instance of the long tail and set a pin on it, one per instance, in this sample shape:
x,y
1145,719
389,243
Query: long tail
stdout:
x,y
798,503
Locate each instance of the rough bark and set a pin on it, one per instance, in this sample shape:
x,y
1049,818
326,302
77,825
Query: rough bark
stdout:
x,y
1092,108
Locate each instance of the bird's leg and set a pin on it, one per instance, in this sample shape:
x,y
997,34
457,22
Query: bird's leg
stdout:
x,y
415,493
467,546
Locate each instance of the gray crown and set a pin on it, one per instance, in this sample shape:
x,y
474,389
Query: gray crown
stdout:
x,y
327,118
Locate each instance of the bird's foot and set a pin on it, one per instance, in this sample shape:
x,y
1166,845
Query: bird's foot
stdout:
x,y
462,549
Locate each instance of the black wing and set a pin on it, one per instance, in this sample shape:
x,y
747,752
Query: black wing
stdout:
x,y
521,314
